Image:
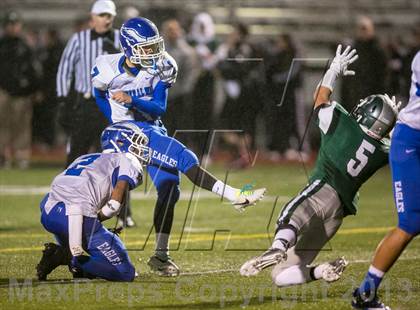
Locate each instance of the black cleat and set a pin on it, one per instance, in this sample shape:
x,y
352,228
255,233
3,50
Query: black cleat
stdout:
x,y
53,256
163,267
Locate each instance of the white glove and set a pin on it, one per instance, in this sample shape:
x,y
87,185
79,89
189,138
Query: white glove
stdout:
x,y
339,66
166,68
395,105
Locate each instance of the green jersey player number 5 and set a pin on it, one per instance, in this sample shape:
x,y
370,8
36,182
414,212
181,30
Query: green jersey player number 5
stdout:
x,y
354,166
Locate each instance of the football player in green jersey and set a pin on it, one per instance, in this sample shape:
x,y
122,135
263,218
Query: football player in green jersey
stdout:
x,y
353,147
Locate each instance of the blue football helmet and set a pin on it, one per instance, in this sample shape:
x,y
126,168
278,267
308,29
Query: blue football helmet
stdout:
x,y
141,42
126,137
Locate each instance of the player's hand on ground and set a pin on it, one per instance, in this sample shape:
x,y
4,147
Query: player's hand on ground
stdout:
x,y
122,97
248,198
343,59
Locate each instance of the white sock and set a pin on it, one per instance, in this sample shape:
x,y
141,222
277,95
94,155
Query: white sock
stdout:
x,y
291,276
284,239
224,190
375,271
162,244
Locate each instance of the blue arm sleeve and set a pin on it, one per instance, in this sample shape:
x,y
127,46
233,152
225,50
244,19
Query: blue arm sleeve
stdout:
x,y
103,103
157,105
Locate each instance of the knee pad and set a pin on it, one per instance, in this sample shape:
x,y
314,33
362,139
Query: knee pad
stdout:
x,y
277,270
291,275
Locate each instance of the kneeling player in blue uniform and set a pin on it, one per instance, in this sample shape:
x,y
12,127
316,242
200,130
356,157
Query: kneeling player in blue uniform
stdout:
x,y
405,167
89,191
168,158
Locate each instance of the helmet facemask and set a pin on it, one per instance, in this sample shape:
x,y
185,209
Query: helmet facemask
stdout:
x,y
138,147
147,53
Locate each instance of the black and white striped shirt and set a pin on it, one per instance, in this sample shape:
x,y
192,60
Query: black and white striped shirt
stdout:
x,y
79,57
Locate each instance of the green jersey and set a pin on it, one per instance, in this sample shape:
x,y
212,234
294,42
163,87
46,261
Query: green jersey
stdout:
x,y
348,156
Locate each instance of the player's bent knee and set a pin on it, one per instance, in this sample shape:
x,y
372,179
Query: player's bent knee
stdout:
x,y
276,275
409,223
127,273
412,229
292,275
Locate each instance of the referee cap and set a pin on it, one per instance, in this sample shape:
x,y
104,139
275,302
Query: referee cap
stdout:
x,y
104,6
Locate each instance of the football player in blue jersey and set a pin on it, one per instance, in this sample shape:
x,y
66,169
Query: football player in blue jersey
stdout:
x,y
405,166
88,192
169,157
133,86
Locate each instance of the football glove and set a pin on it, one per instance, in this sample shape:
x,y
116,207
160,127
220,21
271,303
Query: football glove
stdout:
x,y
339,66
166,68
396,105
248,198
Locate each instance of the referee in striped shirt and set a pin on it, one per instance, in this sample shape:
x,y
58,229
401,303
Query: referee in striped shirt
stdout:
x,y
85,120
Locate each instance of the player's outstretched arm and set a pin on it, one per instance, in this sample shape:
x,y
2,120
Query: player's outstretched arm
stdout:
x,y
112,207
239,198
338,67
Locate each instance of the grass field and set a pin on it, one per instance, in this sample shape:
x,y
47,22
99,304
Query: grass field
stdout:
x,y
210,241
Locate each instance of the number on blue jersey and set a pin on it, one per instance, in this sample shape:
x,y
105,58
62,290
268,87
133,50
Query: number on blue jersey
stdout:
x,y
78,166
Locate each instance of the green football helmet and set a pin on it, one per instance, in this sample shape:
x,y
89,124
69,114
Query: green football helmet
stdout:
x,y
376,115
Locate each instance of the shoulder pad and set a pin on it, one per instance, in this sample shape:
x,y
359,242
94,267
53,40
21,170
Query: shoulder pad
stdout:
x,y
104,71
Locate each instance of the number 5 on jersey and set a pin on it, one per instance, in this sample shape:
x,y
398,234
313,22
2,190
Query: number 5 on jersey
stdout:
x,y
354,166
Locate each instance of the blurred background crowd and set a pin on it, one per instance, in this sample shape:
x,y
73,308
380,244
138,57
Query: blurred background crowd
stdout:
x,y
245,66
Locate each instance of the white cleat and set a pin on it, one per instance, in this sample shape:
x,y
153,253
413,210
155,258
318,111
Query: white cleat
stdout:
x,y
333,270
259,263
248,198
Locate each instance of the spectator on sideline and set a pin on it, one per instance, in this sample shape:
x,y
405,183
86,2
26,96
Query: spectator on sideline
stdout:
x,y
180,95
18,82
371,67
281,112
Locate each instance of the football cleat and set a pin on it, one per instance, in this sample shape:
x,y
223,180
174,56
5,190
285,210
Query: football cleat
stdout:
x,y
363,302
257,264
53,256
129,222
333,270
163,267
248,198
